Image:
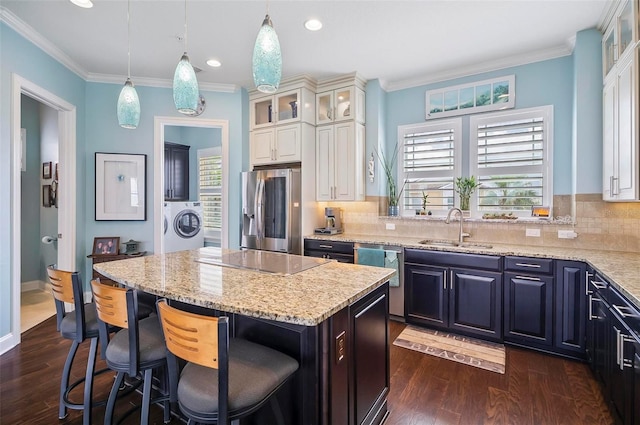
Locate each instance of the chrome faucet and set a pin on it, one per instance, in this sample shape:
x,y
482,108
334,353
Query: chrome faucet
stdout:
x,y
461,235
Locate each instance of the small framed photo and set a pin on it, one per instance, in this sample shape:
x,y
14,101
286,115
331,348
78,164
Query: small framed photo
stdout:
x,y
105,245
46,195
46,170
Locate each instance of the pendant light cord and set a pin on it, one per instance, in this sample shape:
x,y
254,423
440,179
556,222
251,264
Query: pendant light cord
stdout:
x,y
128,39
185,26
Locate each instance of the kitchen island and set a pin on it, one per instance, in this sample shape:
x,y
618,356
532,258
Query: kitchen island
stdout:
x,y
331,317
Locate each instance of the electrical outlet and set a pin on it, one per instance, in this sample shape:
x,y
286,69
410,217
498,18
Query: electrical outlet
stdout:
x,y
391,226
533,233
567,234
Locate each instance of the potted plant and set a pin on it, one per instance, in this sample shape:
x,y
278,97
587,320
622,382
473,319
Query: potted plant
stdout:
x,y
392,189
465,187
424,203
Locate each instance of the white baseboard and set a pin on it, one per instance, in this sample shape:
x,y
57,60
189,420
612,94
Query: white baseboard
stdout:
x,y
7,342
32,285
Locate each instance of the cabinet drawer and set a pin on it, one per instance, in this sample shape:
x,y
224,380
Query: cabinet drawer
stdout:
x,y
328,246
530,265
455,259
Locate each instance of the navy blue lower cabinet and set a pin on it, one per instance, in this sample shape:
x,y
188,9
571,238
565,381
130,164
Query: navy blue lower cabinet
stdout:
x,y
426,296
528,309
475,303
465,301
571,308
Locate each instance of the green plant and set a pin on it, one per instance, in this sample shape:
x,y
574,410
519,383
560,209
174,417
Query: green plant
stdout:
x,y
465,187
424,200
392,189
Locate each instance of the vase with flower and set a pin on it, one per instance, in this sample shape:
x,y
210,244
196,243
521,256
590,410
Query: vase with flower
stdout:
x,y
464,187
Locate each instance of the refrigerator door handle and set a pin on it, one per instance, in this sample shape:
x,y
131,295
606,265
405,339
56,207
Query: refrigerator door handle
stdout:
x,y
259,202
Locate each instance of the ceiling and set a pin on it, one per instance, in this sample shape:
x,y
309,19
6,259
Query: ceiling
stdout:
x,y
402,43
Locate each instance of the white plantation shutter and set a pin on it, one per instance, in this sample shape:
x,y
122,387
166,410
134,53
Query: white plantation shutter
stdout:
x,y
510,156
210,191
429,160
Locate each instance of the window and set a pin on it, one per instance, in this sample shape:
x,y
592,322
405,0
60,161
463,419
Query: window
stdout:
x,y
511,156
210,192
429,161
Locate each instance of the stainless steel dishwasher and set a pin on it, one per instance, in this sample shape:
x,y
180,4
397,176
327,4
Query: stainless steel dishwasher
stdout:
x,y
396,293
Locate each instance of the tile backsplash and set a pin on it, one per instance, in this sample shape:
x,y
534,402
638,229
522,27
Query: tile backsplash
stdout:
x,y
598,224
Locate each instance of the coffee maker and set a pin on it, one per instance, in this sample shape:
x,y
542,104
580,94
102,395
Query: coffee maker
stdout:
x,y
333,221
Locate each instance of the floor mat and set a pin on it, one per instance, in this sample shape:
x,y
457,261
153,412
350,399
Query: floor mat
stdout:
x,y
462,349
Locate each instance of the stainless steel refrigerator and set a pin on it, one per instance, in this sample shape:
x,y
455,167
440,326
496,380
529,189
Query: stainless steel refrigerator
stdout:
x,y
271,210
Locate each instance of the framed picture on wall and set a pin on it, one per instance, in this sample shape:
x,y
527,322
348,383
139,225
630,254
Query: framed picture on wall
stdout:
x,y
46,195
120,186
105,245
46,170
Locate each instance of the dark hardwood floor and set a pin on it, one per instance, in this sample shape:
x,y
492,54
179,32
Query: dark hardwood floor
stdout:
x,y
536,389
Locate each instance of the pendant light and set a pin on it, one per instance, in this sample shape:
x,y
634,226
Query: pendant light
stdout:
x,y
267,58
185,85
128,101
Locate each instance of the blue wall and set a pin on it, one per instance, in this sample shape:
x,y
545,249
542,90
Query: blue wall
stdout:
x,y
550,82
19,56
31,193
561,82
108,136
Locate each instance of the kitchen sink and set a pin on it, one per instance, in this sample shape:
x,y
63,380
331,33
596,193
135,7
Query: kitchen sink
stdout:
x,y
444,242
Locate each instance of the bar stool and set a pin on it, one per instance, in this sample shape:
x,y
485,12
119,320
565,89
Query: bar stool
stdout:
x,y
223,379
137,349
79,325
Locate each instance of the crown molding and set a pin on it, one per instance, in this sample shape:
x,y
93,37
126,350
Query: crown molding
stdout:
x,y
30,34
495,65
41,42
157,82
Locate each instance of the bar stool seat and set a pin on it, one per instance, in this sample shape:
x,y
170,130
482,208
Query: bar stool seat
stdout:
x,y
137,349
223,379
77,326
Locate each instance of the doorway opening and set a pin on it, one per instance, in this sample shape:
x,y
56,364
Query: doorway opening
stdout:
x,y
66,190
164,125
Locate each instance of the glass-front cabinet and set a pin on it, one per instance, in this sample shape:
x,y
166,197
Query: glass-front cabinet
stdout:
x,y
281,109
621,35
341,104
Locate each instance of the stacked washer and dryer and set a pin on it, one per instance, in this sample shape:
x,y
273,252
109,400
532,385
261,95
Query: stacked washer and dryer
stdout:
x,y
183,226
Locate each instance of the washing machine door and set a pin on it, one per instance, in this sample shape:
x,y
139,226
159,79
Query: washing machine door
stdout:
x,y
166,224
187,224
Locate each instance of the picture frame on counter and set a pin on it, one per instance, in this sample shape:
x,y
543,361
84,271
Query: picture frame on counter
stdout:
x,y
105,245
120,183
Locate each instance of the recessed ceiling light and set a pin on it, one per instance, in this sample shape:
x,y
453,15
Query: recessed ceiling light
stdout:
x,y
82,3
215,63
313,24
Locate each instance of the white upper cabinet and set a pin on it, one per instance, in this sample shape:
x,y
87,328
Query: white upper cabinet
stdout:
x,y
621,105
621,35
282,123
346,103
288,107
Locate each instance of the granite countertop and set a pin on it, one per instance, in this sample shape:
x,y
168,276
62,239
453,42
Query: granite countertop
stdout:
x,y
305,298
621,269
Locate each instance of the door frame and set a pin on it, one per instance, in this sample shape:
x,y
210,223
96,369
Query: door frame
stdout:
x,y
67,195
158,173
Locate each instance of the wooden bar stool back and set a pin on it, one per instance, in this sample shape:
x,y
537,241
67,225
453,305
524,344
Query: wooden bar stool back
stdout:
x,y
135,350
79,325
224,379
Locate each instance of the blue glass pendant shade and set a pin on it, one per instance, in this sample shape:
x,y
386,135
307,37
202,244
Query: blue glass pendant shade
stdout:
x,y
267,58
128,106
185,87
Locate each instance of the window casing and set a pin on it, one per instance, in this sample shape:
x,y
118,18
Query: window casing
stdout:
x,y
429,160
511,157
210,192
